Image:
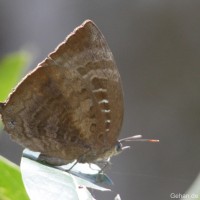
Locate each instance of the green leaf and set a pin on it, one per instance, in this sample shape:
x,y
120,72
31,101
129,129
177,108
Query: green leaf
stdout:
x,y
11,70
11,185
194,190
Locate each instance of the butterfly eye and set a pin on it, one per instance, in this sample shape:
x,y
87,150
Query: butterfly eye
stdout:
x,y
118,147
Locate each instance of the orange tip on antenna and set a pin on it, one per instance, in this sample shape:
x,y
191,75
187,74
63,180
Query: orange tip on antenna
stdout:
x,y
153,140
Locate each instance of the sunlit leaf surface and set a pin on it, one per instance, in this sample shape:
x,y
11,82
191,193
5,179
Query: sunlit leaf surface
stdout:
x,y
11,185
44,182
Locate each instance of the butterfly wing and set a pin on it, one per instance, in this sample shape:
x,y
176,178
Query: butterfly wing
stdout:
x,y
71,105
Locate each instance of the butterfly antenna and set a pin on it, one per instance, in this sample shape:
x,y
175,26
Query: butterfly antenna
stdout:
x,y
137,138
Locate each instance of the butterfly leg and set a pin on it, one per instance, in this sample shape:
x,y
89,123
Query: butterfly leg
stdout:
x,y
79,160
103,165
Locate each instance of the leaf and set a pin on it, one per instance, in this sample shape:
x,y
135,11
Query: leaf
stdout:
x,y
11,185
11,69
193,192
117,197
45,182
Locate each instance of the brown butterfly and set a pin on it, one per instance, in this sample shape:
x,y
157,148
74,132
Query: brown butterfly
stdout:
x,y
70,107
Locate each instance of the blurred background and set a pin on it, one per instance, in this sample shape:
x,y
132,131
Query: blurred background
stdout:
x,y
156,46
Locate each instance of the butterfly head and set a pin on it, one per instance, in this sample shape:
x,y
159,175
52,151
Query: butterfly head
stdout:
x,y
119,147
